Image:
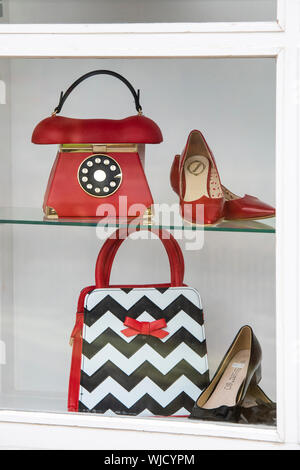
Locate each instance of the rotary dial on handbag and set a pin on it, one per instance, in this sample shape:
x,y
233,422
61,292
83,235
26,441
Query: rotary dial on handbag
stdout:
x,y
99,175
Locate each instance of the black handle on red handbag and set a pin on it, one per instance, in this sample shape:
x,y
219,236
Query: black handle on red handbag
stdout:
x,y
64,96
112,244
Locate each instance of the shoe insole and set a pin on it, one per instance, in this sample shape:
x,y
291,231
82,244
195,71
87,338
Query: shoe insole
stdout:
x,y
228,195
201,179
232,378
196,169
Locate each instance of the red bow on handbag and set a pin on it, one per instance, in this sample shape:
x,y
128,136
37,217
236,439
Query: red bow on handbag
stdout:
x,y
152,328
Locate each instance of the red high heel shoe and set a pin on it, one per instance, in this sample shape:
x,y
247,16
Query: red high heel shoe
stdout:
x,y
235,207
195,178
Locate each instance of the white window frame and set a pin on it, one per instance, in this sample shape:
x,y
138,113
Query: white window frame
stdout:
x,y
280,40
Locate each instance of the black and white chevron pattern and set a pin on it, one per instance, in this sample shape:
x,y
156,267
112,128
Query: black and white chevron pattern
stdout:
x,y
142,375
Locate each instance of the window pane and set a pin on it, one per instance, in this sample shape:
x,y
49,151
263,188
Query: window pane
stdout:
x,y
44,267
137,11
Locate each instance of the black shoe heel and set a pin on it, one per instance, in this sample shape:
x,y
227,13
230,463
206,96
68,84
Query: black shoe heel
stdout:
x,y
256,378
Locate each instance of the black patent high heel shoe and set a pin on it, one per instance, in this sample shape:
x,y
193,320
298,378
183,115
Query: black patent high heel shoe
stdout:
x,y
241,367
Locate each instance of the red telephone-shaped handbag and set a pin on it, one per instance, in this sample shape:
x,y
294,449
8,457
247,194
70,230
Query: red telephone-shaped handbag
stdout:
x,y
99,167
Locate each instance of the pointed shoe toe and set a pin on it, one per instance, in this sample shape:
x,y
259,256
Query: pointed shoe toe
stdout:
x,y
228,414
245,208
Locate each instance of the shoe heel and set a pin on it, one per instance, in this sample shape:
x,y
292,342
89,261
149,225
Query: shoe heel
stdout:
x,y
174,175
256,378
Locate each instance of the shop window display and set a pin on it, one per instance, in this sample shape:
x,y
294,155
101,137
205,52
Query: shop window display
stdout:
x,y
109,372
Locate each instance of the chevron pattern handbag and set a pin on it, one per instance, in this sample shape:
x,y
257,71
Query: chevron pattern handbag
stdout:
x,y
138,350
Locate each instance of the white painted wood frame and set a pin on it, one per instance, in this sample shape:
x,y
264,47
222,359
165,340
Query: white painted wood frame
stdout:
x,y
280,40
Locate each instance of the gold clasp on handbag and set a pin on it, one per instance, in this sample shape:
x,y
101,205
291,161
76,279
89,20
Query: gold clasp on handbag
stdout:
x,y
99,148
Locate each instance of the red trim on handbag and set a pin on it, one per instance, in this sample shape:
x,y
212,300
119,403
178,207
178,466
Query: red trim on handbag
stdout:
x,y
77,330
76,342
152,328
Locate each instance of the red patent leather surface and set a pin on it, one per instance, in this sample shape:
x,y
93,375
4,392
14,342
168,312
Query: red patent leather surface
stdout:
x,y
74,380
174,174
149,328
212,210
190,211
110,247
247,207
108,257
134,129
65,195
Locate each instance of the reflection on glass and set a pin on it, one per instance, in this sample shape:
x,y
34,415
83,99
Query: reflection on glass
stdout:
x,y
141,11
35,216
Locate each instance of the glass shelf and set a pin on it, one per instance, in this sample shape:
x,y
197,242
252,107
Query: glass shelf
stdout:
x,y
35,216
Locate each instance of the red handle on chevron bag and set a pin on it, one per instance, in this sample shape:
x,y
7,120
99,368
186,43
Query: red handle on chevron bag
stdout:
x,y
112,244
